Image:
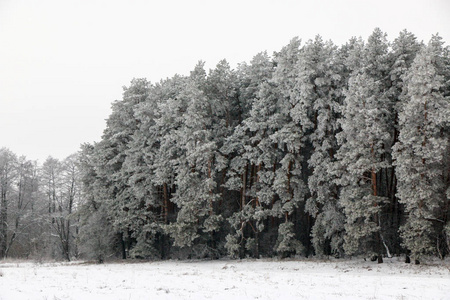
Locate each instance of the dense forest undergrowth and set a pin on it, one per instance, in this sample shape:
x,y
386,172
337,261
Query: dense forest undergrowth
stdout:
x,y
317,150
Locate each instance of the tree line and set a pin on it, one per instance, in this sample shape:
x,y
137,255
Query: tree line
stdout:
x,y
37,219
316,150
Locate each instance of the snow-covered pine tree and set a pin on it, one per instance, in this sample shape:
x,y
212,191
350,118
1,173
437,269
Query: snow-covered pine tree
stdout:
x,y
195,189
150,211
290,169
421,154
364,148
243,148
268,162
204,126
353,55
96,234
404,49
168,118
166,152
250,77
263,156
111,152
221,88
320,84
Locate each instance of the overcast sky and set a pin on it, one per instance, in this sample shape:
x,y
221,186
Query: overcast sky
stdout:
x,y
63,62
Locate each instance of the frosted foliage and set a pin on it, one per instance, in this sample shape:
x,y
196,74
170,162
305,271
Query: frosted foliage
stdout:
x,y
360,226
354,54
366,134
96,236
285,77
404,49
328,226
319,91
232,246
271,148
286,243
342,148
250,140
251,77
169,117
121,125
376,60
195,168
193,197
317,77
421,152
363,136
365,125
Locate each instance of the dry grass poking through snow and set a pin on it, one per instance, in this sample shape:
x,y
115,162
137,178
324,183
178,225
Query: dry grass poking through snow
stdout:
x,y
226,279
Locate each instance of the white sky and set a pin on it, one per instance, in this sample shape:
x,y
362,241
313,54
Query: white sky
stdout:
x,y
63,62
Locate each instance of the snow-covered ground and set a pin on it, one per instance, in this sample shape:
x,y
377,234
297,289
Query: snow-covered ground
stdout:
x,y
225,279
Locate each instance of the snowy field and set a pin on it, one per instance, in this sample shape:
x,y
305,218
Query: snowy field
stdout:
x,y
225,279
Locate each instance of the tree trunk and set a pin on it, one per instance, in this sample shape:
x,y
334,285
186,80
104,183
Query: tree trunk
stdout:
x,y
244,187
211,192
123,247
374,182
166,204
257,204
3,224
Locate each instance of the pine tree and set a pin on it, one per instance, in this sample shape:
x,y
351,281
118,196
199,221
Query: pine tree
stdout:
x,y
240,149
168,118
96,234
290,175
194,125
422,150
363,156
320,83
151,210
195,173
404,49
111,152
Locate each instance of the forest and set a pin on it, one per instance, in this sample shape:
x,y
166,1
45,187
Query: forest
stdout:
x,y
315,150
